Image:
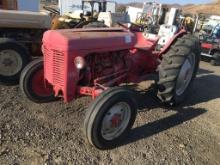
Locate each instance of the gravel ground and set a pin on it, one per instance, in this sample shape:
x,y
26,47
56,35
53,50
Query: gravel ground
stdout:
x,y
35,134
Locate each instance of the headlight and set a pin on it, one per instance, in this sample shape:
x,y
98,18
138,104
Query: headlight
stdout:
x,y
79,62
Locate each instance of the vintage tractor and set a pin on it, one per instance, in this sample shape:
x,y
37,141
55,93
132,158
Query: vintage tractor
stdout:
x,y
95,62
207,29
21,35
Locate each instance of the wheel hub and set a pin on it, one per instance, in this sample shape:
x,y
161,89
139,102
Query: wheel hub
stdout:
x,y
185,74
7,62
38,84
115,121
10,62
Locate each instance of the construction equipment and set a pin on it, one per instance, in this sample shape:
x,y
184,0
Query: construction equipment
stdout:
x,y
87,16
94,62
152,15
208,32
20,39
210,44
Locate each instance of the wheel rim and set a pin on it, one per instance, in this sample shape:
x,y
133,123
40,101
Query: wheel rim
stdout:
x,y
185,74
115,121
38,85
10,62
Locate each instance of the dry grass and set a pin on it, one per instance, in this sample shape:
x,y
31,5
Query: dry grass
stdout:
x,y
212,8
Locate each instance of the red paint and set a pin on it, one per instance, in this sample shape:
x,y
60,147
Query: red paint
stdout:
x,y
207,46
116,120
38,85
113,56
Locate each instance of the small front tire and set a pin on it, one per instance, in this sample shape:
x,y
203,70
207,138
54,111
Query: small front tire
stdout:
x,y
32,83
110,118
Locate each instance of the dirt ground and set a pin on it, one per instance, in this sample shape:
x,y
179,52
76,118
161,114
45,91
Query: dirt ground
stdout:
x,y
51,133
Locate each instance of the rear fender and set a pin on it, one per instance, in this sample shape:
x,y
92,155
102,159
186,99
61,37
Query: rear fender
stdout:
x,y
207,46
172,40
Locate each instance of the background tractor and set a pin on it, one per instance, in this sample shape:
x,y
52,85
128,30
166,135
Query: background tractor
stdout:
x,y
95,62
208,32
87,16
210,43
20,39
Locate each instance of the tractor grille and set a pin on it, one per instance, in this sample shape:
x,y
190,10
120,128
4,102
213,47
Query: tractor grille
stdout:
x,y
55,68
58,72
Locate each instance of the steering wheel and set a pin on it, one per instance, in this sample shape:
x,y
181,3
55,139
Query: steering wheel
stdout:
x,y
52,10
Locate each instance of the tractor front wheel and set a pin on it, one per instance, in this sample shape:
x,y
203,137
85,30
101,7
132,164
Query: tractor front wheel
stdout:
x,y
32,83
110,118
178,70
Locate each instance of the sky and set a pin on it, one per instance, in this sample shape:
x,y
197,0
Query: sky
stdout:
x,y
182,2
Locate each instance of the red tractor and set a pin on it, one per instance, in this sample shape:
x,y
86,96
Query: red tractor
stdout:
x,y
210,45
94,62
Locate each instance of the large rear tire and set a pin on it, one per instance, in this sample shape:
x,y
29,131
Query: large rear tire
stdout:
x,y
178,70
110,117
32,83
13,58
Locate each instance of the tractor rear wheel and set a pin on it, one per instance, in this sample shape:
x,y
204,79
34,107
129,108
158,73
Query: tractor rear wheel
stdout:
x,y
178,70
216,59
32,83
13,58
110,118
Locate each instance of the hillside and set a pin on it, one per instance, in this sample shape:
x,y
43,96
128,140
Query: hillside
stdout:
x,y
211,8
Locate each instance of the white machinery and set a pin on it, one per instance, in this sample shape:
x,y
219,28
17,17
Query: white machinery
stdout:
x,y
151,10
103,10
133,13
111,19
172,16
69,6
168,30
213,21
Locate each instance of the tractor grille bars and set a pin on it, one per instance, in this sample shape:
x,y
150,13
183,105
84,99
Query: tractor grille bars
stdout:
x,y
54,62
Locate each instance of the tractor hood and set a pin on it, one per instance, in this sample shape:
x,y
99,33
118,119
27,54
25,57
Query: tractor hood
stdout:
x,y
89,39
